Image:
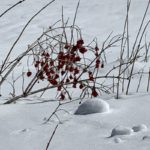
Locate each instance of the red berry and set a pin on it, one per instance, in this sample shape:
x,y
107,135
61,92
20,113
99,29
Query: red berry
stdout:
x,y
47,54
59,88
70,77
77,58
42,77
102,65
91,78
52,63
74,48
76,71
90,73
71,69
80,42
37,64
81,86
83,50
62,72
45,68
52,71
96,48
53,82
56,76
67,46
97,61
96,54
67,80
97,66
62,96
94,92
74,85
29,73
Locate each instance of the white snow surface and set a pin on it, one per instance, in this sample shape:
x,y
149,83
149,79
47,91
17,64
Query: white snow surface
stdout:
x,y
21,124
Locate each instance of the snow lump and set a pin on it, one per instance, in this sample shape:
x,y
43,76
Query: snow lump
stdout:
x,y
141,127
121,130
91,106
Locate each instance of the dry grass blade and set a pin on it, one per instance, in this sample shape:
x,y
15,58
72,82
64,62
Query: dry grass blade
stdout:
x,y
11,8
48,144
16,41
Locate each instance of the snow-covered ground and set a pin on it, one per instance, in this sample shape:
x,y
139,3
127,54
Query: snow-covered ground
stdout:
x,y
21,124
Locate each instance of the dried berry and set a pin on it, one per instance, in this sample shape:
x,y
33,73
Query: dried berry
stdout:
x,y
67,46
62,72
94,92
70,77
41,77
91,78
102,65
59,88
83,50
29,73
71,69
77,58
97,61
67,80
74,48
80,43
62,96
53,82
96,54
74,85
47,55
76,71
52,71
52,63
96,48
56,76
37,64
81,86
97,65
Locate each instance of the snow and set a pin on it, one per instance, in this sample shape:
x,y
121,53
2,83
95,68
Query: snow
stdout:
x,y
91,106
118,140
121,130
127,123
141,127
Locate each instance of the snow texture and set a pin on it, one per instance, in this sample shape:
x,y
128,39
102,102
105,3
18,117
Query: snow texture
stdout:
x,y
92,106
21,124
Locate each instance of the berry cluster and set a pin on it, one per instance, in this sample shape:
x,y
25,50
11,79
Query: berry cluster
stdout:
x,y
65,67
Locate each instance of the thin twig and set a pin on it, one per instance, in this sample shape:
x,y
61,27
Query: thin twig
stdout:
x,y
11,7
51,137
21,33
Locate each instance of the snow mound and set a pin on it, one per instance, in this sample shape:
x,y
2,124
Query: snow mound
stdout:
x,y
121,130
118,140
92,106
141,127
146,137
